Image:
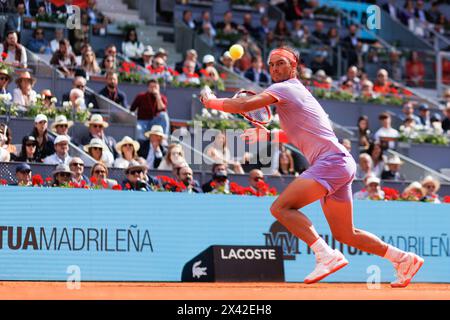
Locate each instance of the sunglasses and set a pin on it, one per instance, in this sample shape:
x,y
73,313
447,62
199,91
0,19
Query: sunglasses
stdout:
x,y
62,125
96,148
128,145
100,172
80,86
109,60
133,172
430,186
96,126
3,78
65,174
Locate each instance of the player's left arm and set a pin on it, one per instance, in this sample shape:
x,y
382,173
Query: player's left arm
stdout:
x,y
238,105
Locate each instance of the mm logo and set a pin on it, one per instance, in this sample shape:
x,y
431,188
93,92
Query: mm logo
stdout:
x,y
279,236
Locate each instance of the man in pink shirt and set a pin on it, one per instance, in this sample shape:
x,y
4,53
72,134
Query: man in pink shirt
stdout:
x,y
306,125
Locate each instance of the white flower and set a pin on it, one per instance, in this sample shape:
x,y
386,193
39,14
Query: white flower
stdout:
x,y
38,96
79,101
53,100
90,105
66,104
214,112
205,113
224,115
8,97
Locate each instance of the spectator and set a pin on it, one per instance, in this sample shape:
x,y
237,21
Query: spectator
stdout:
x,y
227,26
219,181
319,32
7,144
298,32
446,121
15,53
159,69
61,126
67,8
206,24
372,190
147,56
4,154
294,10
127,149
424,115
191,55
415,71
394,163
376,153
365,166
209,72
97,127
76,165
61,155
48,100
333,38
153,149
352,75
49,7
264,28
99,152
28,152
218,151
208,34
386,132
132,48
5,78
23,175
89,64
392,9
382,84
151,109
286,163
185,175
189,75
188,20
38,44
59,36
421,13
64,59
281,31
112,91
99,177
257,74
364,132
228,62
367,89
254,177
247,25
135,177
351,40
162,53
408,113
174,158
79,82
62,175
320,63
431,187
413,192
24,95
16,20
96,18
109,64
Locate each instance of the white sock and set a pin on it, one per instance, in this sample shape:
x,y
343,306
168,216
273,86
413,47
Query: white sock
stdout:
x,y
394,254
321,248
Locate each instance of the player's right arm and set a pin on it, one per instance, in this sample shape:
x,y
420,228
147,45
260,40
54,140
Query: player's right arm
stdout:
x,y
237,105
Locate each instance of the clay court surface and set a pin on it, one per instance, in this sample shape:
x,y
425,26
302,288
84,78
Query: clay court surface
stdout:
x,y
225,291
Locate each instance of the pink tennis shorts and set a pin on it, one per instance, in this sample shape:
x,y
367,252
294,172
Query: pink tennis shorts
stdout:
x,y
336,173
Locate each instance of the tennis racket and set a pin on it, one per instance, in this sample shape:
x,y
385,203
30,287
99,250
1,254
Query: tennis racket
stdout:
x,y
259,117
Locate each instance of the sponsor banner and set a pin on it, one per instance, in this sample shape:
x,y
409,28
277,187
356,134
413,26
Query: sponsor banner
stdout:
x,y
132,236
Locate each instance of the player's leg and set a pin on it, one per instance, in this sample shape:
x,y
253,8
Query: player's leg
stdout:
x,y
339,215
297,195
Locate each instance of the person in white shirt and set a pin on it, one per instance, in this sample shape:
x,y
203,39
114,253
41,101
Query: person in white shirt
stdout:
x,y
61,155
127,149
131,47
386,132
16,53
100,152
24,95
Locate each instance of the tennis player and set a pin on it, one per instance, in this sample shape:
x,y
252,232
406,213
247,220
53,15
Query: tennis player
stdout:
x,y
306,125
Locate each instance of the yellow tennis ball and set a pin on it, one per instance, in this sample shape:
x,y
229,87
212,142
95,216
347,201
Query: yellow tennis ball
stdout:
x,y
236,51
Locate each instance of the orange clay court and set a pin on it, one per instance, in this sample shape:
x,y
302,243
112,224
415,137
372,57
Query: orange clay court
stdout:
x,y
222,291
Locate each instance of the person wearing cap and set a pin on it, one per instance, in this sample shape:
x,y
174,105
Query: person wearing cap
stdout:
x,y
24,95
112,91
97,127
162,53
135,177
424,115
257,74
61,125
45,146
5,78
413,192
209,72
23,175
228,62
151,109
99,177
153,149
99,152
61,154
185,175
61,175
79,82
127,149
191,55
372,190
132,48
16,53
431,187
28,151
394,163
147,56
386,132
76,165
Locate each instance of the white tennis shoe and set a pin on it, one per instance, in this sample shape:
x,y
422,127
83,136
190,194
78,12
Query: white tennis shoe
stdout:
x,y
325,266
407,269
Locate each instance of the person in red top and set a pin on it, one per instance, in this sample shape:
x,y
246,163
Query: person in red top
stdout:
x,y
415,71
151,109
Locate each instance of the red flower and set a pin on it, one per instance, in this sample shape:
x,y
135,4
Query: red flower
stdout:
x,y
446,199
104,184
3,182
128,186
273,191
4,55
117,187
49,180
37,180
213,184
93,180
83,183
390,194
